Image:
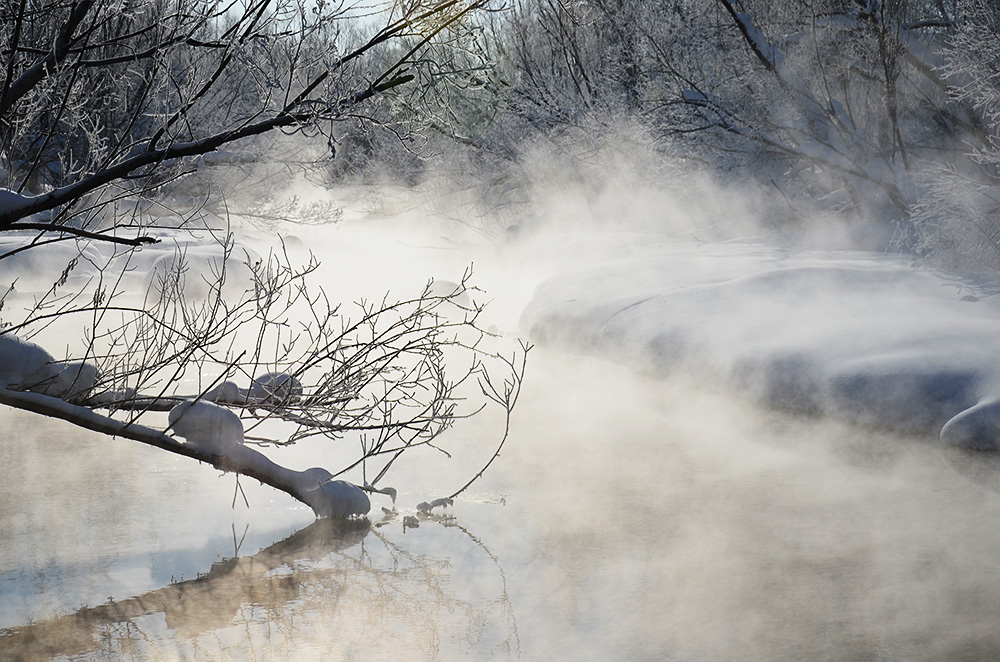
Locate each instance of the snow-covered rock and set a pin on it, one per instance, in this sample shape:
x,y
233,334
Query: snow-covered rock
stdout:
x,y
854,335
331,498
105,398
27,366
207,425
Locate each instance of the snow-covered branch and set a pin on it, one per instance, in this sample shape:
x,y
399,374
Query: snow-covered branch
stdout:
x,y
77,118
381,377
312,487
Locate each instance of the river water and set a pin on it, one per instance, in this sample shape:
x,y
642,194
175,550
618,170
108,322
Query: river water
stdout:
x,y
628,519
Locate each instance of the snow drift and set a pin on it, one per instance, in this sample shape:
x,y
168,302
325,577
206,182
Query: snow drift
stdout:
x,y
848,334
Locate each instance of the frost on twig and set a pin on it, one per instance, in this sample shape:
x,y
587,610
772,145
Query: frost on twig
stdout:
x,y
390,379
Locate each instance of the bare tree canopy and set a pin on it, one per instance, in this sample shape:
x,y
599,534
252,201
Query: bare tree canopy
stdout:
x,y
104,106
878,113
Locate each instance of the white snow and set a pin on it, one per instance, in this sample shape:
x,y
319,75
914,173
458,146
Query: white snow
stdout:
x,y
760,42
212,428
275,388
198,261
20,359
313,479
341,499
11,201
104,398
328,497
457,303
27,366
227,393
854,335
68,380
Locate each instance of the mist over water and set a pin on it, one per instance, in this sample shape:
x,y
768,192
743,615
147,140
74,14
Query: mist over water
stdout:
x,y
630,516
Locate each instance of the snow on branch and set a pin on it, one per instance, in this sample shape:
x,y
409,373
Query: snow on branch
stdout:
x,y
65,144
395,378
768,55
312,487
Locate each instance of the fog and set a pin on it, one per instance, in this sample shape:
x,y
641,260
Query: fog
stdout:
x,y
654,500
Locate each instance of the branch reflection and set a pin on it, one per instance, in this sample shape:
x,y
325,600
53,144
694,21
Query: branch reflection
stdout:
x,y
334,585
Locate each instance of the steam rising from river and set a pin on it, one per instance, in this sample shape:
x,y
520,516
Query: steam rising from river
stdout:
x,y
645,518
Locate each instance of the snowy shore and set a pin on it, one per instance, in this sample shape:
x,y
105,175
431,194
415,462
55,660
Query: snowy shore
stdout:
x,y
861,336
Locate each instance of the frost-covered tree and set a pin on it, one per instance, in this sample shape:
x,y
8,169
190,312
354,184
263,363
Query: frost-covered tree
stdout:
x,y
107,111
956,221
856,107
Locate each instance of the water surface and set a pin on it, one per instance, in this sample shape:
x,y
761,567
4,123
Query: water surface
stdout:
x,y
628,519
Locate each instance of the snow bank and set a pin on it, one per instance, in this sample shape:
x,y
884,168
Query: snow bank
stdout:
x,y
853,335
196,258
196,262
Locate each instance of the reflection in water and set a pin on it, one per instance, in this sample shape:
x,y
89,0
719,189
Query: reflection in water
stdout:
x,y
192,607
641,520
80,524
332,586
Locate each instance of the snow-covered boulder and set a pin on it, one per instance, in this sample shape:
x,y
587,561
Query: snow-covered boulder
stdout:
x,y
331,498
855,335
27,366
204,424
111,397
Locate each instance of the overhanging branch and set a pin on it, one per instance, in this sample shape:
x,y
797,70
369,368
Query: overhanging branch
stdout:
x,y
140,240
239,459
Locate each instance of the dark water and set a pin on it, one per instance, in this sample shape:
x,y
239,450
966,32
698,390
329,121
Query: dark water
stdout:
x,y
629,519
